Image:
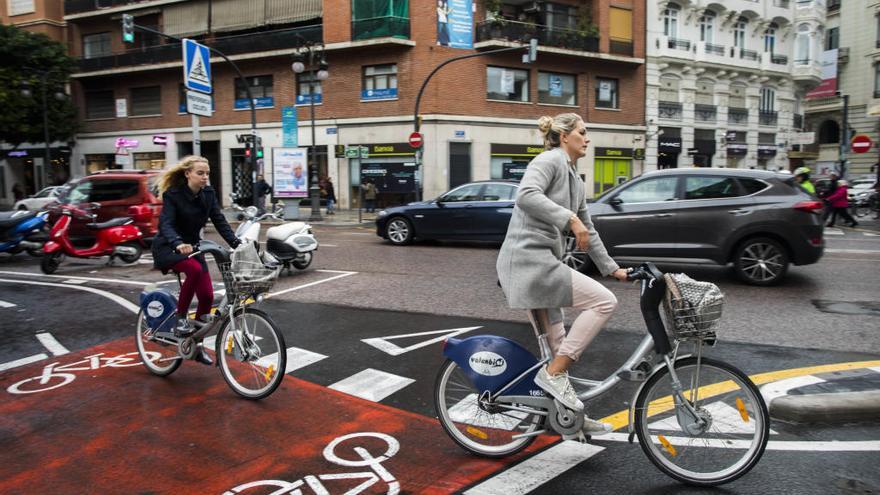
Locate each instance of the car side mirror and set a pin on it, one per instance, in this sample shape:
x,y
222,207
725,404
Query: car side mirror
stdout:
x,y
615,201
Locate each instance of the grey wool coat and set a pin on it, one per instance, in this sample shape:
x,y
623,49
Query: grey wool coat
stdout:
x,y
529,267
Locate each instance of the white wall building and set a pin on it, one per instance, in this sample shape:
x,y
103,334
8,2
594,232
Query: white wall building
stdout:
x,y
725,80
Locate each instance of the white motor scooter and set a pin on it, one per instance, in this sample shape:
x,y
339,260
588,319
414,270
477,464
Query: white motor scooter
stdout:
x,y
291,243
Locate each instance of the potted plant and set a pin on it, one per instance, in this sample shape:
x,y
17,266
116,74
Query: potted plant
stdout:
x,y
494,17
586,29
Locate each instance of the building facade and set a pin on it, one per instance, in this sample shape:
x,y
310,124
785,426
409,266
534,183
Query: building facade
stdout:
x,y
852,49
478,116
726,80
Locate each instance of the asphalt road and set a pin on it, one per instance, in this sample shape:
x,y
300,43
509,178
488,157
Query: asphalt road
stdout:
x,y
360,288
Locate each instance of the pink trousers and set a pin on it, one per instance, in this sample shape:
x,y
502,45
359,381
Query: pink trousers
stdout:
x,y
197,282
597,304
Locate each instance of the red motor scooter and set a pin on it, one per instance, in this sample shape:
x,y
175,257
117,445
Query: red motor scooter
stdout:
x,y
115,237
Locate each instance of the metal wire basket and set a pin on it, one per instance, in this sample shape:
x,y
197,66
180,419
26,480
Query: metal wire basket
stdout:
x,y
247,279
692,322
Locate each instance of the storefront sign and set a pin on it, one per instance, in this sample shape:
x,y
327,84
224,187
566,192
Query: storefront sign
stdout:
x,y
669,145
265,102
19,153
339,150
737,149
766,150
516,150
290,173
639,154
309,99
385,149
160,140
379,94
127,143
390,177
514,170
614,153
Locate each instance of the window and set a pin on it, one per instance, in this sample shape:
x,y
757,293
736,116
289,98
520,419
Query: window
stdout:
x,y
606,93
19,7
303,96
770,38
752,186
103,190
620,30
707,27
96,45
499,192
650,191
670,21
507,84
372,18
877,80
832,38
802,45
739,33
709,187
558,16
100,105
146,101
261,89
469,192
380,82
768,100
557,89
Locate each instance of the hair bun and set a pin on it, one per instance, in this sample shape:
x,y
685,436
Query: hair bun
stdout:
x,y
545,123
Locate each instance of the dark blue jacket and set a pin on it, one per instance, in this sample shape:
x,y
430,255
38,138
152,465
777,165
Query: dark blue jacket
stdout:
x,y
184,215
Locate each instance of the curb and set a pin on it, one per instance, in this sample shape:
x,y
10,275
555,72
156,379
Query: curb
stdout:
x,y
828,407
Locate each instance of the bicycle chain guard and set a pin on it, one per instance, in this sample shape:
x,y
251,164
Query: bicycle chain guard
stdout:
x,y
564,421
187,348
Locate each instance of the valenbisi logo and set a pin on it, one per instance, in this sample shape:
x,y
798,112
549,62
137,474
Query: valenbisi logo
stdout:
x,y
488,363
155,309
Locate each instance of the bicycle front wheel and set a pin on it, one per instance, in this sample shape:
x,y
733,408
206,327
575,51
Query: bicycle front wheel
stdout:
x,y
158,353
724,441
486,430
251,352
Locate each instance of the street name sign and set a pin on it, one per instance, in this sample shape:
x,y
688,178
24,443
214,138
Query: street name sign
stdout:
x,y
196,66
198,103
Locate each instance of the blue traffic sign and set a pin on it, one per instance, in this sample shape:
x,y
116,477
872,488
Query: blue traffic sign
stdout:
x,y
196,66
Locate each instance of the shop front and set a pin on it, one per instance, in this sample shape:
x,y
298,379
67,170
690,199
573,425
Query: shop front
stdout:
x,y
736,148
705,152
766,153
391,167
612,167
668,149
509,161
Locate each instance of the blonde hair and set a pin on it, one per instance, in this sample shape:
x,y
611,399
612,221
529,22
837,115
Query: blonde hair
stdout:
x,y
553,127
176,175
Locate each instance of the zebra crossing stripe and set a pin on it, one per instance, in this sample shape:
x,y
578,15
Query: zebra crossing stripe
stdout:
x,y
371,384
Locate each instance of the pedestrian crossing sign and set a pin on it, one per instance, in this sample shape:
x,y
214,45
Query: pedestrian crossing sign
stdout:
x,y
196,66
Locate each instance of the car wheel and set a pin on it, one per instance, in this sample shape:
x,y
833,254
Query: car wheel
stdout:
x,y
575,258
761,261
399,231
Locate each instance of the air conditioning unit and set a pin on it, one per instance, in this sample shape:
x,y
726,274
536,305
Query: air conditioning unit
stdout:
x,y
843,55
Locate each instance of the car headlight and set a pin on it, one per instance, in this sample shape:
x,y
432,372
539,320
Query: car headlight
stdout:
x,y
382,213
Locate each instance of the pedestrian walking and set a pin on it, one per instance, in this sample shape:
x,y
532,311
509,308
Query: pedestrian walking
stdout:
x,y
263,189
331,196
369,195
839,203
17,192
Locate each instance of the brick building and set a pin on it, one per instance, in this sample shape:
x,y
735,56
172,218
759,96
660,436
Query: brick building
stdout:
x,y
478,115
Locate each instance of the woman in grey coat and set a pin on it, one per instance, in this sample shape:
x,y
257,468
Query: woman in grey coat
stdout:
x,y
551,202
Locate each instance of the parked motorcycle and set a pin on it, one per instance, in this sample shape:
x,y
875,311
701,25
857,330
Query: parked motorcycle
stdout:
x,y
118,237
291,243
22,230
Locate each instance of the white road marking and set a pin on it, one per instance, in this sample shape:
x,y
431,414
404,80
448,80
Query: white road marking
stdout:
x,y
819,446
833,231
383,344
23,361
51,344
4,304
725,419
296,358
109,295
780,388
853,251
468,412
291,289
75,281
329,245
372,385
535,471
869,234
68,277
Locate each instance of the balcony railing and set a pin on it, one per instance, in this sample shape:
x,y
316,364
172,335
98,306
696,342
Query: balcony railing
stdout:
x,y
79,6
705,113
833,5
781,3
748,54
230,45
778,59
621,47
669,110
679,44
380,27
767,118
714,49
798,121
546,35
738,116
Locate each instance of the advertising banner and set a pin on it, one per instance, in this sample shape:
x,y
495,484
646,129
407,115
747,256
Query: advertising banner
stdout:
x,y
264,102
290,173
390,177
455,23
289,125
828,86
379,94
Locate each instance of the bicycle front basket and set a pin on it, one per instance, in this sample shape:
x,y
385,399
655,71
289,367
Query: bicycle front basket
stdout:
x,y
246,278
692,307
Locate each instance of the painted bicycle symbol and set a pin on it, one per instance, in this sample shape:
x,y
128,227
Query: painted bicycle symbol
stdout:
x,y
56,375
377,471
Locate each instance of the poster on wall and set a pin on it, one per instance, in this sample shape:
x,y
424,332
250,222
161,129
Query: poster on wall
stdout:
x,y
455,23
828,86
290,172
390,177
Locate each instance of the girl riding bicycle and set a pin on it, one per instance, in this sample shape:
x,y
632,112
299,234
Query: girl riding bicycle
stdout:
x,y
552,201
187,204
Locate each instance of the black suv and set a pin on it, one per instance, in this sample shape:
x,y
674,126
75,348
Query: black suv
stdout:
x,y
759,221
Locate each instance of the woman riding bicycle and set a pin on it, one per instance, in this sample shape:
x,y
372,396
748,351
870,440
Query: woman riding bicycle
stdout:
x,y
187,204
551,202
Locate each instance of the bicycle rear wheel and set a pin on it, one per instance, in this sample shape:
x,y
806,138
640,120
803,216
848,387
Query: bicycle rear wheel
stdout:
x,y
252,355
730,442
159,354
488,431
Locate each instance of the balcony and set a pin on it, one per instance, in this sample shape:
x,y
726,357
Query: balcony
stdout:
x,y
230,45
380,27
669,110
833,5
80,6
767,118
714,49
738,116
705,113
748,54
547,36
679,44
778,59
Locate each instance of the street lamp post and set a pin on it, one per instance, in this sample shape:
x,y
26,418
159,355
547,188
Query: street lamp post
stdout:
x,y
313,53
26,92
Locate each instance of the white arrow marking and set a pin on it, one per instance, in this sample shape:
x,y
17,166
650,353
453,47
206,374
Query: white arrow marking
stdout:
x,y
383,344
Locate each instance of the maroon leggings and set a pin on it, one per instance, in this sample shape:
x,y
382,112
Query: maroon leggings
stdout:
x,y
197,282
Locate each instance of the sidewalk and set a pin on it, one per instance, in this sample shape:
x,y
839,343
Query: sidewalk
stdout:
x,y
339,218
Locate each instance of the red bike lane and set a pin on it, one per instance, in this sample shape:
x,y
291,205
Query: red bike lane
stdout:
x,y
115,428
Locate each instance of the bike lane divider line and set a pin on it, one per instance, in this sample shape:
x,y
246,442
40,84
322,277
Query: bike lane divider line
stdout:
x,y
119,418
76,278
536,470
109,295
310,284
23,361
4,305
371,384
51,344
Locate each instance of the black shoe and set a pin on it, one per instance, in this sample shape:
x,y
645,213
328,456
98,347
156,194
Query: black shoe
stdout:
x,y
854,224
203,357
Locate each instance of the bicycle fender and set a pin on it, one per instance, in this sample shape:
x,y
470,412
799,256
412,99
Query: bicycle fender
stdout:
x,y
491,362
632,405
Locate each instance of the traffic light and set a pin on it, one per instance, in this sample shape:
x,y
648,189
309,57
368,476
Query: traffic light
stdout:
x,y
128,28
247,149
259,147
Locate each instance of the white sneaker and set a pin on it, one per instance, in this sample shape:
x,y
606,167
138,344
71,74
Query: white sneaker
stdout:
x,y
595,428
560,388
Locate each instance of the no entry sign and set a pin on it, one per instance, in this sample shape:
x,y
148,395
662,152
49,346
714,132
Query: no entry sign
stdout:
x,y
861,143
415,140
